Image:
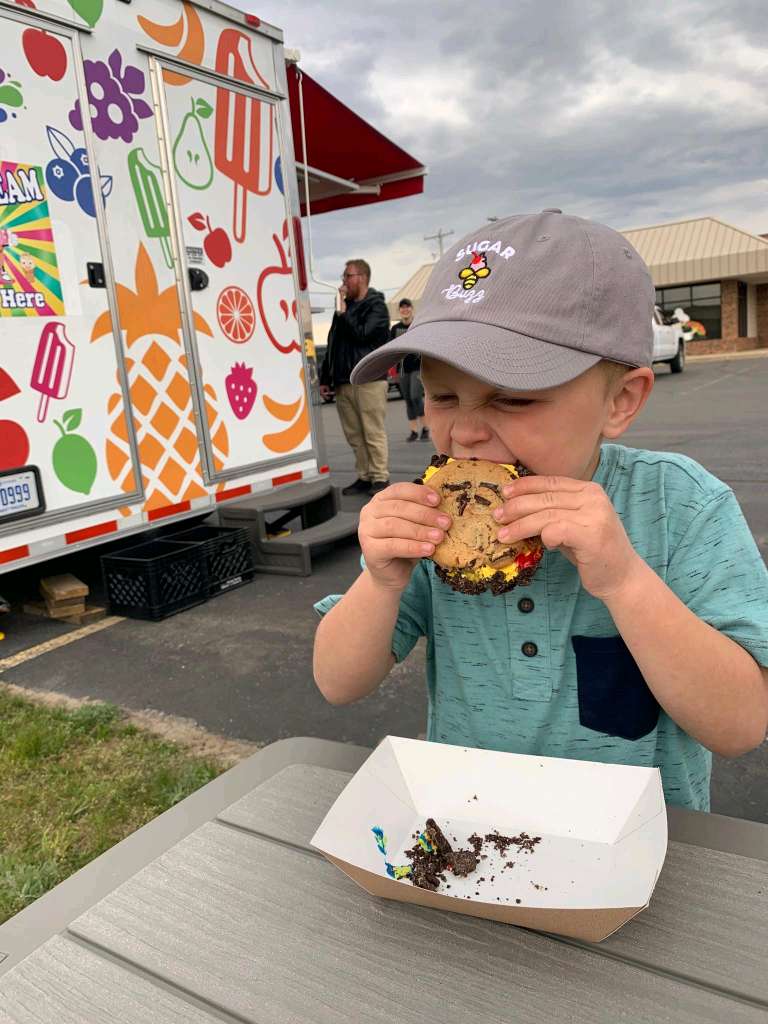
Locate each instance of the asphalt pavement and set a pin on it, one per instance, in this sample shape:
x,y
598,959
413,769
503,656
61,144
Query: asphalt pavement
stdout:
x,y
241,665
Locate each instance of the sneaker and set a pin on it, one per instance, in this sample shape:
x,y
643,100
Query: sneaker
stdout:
x,y
379,485
360,486
424,435
413,436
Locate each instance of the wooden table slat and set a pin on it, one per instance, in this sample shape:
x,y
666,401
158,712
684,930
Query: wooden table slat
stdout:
x,y
275,935
721,898
65,983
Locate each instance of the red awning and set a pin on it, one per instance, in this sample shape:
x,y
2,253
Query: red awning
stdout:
x,y
348,162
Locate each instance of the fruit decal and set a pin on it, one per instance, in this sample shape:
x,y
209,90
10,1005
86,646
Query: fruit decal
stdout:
x,y
236,315
146,179
89,10
188,28
114,99
52,371
45,54
289,439
69,174
241,389
74,460
216,243
29,274
10,96
244,128
14,443
277,305
161,401
191,156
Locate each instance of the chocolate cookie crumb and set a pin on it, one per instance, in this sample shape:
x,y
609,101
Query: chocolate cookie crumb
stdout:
x,y
464,862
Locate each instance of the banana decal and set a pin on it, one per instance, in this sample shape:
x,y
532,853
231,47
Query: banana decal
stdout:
x,y
172,36
296,413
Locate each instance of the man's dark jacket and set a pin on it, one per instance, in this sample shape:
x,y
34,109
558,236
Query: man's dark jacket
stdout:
x,y
354,334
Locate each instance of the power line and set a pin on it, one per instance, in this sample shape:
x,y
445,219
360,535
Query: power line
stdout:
x,y
438,238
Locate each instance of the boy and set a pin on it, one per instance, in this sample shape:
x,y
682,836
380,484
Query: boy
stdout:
x,y
642,637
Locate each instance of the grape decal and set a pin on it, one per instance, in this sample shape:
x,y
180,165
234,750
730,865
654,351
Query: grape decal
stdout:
x,y
69,175
10,96
114,95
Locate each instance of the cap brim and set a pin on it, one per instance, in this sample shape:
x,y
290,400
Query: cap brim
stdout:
x,y
492,354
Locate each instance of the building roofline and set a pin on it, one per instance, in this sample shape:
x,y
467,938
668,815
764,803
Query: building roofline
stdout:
x,y
694,220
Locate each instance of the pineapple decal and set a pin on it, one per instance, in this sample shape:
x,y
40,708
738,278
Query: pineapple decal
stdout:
x,y
160,396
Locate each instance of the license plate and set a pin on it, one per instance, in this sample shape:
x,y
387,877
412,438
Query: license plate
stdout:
x,y
19,493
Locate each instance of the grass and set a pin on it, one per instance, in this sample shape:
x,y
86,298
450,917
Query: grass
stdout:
x,y
74,783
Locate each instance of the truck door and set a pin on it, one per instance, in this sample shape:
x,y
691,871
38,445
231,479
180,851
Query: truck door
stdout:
x,y
59,393
222,151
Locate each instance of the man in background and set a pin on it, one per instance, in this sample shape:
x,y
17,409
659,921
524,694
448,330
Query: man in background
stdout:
x,y
410,377
360,325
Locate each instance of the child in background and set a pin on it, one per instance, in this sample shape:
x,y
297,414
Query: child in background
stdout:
x,y
643,637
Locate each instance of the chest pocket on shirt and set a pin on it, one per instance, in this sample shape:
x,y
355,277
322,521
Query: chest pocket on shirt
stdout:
x,y
613,696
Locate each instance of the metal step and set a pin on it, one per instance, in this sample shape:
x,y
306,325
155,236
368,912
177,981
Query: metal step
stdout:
x,y
318,506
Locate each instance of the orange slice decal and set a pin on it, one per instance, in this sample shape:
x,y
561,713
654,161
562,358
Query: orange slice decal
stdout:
x,y
289,439
172,35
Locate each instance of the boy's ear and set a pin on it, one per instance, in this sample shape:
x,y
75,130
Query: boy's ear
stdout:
x,y
630,393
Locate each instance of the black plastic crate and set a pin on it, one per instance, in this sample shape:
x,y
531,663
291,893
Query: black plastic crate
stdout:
x,y
155,579
228,553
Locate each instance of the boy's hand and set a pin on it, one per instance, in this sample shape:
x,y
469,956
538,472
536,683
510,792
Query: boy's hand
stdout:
x,y
576,517
397,528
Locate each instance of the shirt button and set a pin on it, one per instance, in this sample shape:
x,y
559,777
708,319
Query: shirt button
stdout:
x,y
529,649
525,604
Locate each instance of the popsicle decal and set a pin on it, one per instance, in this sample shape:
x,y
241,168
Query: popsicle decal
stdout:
x,y
244,128
161,400
10,96
29,273
52,370
45,54
186,33
296,414
216,243
74,460
114,97
277,304
14,443
147,182
236,315
69,174
191,156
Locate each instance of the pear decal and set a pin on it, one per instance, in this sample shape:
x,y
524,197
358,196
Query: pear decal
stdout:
x,y
191,156
74,460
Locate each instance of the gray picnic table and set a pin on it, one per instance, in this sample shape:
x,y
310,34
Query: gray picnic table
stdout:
x,y
219,910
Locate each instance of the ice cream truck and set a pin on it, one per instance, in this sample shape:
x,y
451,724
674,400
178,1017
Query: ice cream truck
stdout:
x,y
154,296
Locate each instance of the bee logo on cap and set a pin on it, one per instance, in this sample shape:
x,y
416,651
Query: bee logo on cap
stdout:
x,y
477,268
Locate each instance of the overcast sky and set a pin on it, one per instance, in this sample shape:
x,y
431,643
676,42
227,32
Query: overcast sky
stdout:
x,y
628,112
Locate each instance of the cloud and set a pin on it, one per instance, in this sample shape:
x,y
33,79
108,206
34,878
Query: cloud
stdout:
x,y
619,112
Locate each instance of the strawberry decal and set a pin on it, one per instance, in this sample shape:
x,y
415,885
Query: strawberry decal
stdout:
x,y
241,389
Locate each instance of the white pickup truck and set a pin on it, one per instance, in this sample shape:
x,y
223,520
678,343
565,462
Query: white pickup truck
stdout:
x,y
669,339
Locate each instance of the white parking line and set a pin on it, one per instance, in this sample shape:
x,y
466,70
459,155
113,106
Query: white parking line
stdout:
x,y
59,641
709,383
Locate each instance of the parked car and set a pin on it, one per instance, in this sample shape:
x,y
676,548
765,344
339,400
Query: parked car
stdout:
x,y
393,377
668,341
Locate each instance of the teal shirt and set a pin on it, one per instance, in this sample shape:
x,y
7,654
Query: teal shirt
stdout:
x,y
557,679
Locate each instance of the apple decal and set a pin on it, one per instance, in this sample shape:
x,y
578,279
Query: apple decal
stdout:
x,y
277,302
45,54
216,243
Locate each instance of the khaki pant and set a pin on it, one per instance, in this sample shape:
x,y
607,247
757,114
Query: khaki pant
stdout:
x,y
362,411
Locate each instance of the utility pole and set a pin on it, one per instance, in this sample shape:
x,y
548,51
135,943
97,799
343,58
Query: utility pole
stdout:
x,y
439,238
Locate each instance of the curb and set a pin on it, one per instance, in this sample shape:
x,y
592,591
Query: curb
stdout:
x,y
750,353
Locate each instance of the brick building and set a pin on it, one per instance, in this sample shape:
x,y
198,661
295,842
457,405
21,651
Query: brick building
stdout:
x,y
717,273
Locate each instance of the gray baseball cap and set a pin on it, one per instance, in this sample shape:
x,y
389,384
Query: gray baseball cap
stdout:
x,y
530,302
